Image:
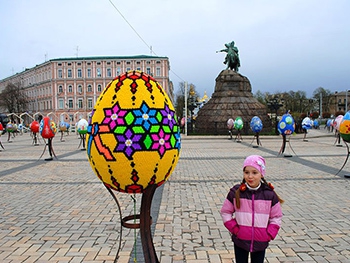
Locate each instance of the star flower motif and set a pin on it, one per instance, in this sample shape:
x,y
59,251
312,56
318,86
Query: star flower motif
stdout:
x,y
128,143
161,142
114,116
168,117
145,117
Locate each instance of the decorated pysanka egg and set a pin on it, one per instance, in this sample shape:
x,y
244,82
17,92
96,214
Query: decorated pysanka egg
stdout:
x,y
286,125
10,127
337,122
34,127
47,128
256,124
306,123
133,138
230,124
344,127
82,126
64,126
238,123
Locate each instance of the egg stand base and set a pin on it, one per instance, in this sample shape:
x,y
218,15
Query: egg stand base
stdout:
x,y
145,222
346,159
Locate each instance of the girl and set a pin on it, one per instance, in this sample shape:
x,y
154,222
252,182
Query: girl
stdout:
x,y
257,212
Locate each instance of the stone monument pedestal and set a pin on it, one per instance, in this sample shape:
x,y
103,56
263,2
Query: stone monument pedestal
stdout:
x,y
232,98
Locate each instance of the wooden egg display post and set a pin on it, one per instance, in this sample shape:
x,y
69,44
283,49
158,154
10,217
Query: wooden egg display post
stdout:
x,y
238,125
34,128
256,126
344,131
133,145
286,127
47,130
1,131
82,130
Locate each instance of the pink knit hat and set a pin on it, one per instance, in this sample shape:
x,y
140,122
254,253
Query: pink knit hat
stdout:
x,y
257,162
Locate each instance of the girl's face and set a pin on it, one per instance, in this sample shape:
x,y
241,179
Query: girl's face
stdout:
x,y
252,176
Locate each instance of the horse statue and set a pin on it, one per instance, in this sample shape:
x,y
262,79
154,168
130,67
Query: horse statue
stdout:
x,y
232,58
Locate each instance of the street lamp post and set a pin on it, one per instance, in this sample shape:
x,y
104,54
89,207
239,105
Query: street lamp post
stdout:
x,y
275,104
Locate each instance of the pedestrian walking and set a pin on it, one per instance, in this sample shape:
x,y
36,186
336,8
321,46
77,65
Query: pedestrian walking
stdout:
x,y
252,212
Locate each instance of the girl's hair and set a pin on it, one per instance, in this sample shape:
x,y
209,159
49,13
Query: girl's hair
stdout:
x,y
243,187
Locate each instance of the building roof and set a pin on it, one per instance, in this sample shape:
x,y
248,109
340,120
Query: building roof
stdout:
x,y
108,57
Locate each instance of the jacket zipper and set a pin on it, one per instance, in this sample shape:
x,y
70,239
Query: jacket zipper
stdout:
x,y
253,212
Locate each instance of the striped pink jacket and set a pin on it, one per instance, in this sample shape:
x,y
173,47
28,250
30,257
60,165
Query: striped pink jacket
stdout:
x,y
257,221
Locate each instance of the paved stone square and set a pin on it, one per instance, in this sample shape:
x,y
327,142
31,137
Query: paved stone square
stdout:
x,y
59,211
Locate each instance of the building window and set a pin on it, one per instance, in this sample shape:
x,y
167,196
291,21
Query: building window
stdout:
x,y
60,89
79,73
60,103
109,72
70,103
148,71
59,74
88,73
158,72
99,87
138,68
69,73
118,71
128,69
80,89
70,89
89,88
89,104
98,72
80,103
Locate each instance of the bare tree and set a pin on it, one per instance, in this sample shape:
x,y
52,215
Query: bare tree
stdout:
x,y
192,97
13,98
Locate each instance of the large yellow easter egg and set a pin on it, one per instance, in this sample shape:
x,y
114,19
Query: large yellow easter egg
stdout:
x,y
133,138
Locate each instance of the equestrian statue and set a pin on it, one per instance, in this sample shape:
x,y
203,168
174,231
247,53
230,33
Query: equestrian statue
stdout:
x,y
232,58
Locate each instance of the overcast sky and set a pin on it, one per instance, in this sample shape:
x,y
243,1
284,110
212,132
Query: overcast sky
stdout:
x,y
283,44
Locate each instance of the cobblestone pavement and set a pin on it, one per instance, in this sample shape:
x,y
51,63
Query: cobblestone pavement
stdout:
x,y
58,211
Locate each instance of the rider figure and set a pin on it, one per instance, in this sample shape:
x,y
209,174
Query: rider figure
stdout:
x,y
232,58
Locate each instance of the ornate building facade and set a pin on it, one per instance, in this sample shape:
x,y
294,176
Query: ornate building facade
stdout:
x,y
71,86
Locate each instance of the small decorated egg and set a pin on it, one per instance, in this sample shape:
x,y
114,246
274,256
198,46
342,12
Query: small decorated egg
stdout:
x,y
10,127
133,138
64,126
306,123
238,123
47,128
34,127
256,124
82,126
337,121
286,125
230,124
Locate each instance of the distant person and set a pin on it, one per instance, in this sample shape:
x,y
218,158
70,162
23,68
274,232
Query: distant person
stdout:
x,y
252,212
